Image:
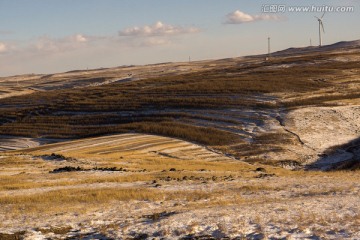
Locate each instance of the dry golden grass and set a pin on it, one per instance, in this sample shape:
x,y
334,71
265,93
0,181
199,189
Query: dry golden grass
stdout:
x,y
199,179
223,87
33,191
34,174
76,188
88,199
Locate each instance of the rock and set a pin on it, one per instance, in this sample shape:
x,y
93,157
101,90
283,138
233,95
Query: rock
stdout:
x,y
260,169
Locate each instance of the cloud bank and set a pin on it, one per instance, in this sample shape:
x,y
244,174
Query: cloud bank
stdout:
x,y
158,29
239,17
80,50
147,36
68,43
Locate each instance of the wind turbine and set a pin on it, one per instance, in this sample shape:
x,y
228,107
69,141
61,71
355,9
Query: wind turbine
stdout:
x,y
321,27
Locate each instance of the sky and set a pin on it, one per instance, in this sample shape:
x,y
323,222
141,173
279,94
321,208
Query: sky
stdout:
x,y
49,36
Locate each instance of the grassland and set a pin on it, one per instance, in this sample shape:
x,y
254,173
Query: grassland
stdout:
x,y
185,150
128,182
176,104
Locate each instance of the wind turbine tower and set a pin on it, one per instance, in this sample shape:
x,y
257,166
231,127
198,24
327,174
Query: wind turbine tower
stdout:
x,y
321,27
269,50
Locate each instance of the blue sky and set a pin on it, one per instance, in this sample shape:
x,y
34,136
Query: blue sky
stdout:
x,y
46,36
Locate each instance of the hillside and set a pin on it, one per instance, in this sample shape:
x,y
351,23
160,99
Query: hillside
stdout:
x,y
339,46
248,108
238,148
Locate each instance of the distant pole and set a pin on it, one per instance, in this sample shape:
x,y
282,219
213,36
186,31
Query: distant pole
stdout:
x,y
189,59
310,42
269,48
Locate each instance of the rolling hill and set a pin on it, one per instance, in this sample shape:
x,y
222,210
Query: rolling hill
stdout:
x,y
239,148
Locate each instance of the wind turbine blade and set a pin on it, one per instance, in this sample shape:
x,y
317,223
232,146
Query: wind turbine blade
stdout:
x,y
322,26
323,15
316,17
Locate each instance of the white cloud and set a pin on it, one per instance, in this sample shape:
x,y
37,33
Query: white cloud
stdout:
x,y
158,29
80,38
3,47
239,17
48,44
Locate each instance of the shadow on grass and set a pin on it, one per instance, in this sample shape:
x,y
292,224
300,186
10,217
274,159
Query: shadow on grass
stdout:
x,y
341,157
13,236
